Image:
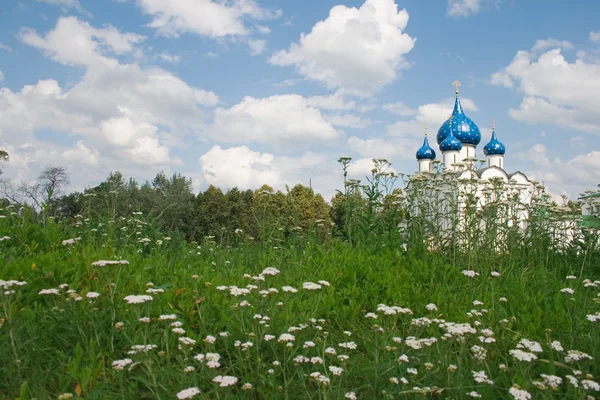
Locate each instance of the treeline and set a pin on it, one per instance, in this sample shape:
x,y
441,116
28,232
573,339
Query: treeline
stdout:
x,y
359,212
172,206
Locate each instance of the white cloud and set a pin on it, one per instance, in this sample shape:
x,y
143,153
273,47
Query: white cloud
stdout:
x,y
574,176
348,120
239,167
81,154
282,120
554,89
359,50
361,168
170,58
5,47
373,148
75,42
204,17
247,169
551,43
595,36
263,29
335,101
257,47
120,115
463,8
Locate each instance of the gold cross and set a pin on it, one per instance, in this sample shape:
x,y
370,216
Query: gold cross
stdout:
x,y
425,128
493,125
456,84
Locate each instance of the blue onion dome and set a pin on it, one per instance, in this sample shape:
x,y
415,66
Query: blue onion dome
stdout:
x,y
462,127
425,152
494,147
450,144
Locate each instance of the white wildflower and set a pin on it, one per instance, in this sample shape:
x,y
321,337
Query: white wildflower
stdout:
x,y
522,355
286,337
519,394
225,381
104,263
589,384
311,286
118,365
188,393
186,341
576,355
469,273
348,345
210,339
138,299
49,291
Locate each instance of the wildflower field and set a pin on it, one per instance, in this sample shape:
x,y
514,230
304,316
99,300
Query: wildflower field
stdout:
x,y
112,309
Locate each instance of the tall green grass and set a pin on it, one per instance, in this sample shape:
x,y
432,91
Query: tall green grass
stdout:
x,y
61,345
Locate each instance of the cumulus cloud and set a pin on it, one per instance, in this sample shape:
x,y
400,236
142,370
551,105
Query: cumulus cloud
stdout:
x,y
244,168
361,168
75,42
554,89
348,120
463,8
204,17
335,101
595,36
119,114
170,58
257,47
549,43
284,121
573,176
359,50
373,147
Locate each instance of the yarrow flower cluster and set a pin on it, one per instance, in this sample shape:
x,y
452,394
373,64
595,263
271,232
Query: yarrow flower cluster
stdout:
x,y
104,263
225,381
469,273
188,393
118,365
311,286
138,299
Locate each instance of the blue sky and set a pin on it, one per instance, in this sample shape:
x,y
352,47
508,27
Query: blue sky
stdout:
x,y
245,92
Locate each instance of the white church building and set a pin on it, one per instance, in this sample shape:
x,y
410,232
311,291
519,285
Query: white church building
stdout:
x,y
461,176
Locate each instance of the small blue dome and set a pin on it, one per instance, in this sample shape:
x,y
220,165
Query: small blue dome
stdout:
x,y
450,144
463,128
425,152
494,147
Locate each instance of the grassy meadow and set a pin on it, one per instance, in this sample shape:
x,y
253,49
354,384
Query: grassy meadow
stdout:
x,y
113,309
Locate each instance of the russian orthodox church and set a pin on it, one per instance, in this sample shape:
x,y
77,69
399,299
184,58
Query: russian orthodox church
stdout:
x,y
460,171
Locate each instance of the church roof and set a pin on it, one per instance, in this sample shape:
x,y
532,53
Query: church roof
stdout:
x,y
450,143
494,146
461,126
425,152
